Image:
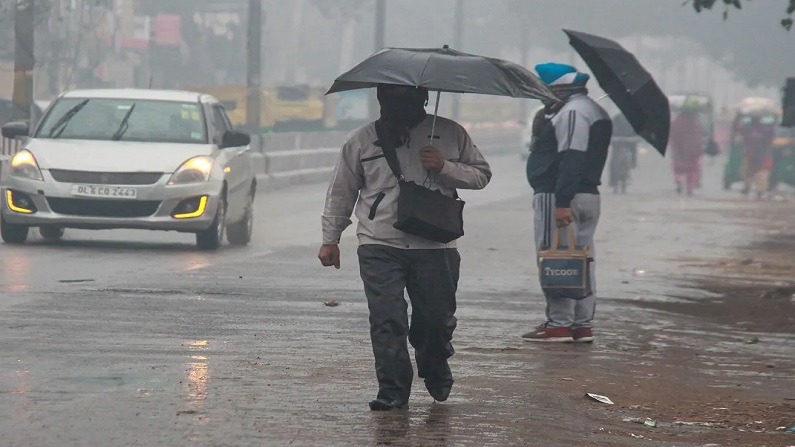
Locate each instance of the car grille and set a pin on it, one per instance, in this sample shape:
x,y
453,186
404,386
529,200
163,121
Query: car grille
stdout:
x,y
103,208
106,178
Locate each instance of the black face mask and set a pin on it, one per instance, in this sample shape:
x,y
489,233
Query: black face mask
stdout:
x,y
403,109
403,113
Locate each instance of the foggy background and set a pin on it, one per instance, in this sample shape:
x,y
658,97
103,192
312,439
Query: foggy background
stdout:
x,y
184,43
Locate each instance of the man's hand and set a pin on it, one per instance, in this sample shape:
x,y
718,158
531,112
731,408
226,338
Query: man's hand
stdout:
x,y
329,255
563,216
431,158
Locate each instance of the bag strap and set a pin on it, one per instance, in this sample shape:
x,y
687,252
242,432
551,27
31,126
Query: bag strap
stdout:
x,y
388,147
390,152
556,238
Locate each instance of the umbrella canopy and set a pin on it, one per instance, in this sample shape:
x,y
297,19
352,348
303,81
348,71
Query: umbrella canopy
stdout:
x,y
692,101
443,70
628,84
757,106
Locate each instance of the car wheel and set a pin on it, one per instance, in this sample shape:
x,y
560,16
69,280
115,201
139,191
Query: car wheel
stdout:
x,y
13,234
211,238
239,233
51,232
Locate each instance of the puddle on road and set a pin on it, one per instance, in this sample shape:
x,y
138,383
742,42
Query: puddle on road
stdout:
x,y
15,273
197,374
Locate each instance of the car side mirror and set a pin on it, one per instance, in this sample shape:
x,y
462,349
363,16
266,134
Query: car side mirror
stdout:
x,y
16,129
229,104
234,138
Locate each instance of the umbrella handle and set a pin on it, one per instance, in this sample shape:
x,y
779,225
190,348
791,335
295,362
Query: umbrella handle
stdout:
x,y
435,112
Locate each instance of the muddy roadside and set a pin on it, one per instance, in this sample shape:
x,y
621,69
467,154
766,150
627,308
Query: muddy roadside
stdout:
x,y
736,387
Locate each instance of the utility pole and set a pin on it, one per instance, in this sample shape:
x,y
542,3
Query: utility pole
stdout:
x,y
458,44
254,66
523,48
380,24
23,59
380,32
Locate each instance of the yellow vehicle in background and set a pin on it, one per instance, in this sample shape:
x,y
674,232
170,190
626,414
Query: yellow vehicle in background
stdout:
x,y
284,108
307,108
297,107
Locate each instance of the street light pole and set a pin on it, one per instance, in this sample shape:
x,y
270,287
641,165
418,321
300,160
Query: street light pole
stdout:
x,y
380,24
380,32
523,48
254,66
24,60
458,44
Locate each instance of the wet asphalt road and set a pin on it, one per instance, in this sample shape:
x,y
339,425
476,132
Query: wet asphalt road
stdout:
x,y
133,338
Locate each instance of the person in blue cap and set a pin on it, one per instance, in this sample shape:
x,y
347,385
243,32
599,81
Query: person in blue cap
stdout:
x,y
568,153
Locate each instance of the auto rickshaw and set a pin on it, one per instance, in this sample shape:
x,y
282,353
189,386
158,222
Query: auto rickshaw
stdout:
x,y
765,112
783,157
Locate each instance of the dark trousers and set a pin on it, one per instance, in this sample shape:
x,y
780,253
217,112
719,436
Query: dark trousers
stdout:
x,y
431,279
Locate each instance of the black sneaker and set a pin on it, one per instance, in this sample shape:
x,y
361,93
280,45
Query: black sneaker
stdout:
x,y
382,404
439,392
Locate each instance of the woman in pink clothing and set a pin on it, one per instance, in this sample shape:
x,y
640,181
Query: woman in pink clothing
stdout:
x,y
687,146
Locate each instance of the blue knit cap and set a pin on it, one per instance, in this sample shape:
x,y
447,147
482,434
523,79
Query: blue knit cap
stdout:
x,y
560,74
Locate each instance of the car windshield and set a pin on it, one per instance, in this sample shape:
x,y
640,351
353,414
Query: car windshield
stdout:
x,y
104,119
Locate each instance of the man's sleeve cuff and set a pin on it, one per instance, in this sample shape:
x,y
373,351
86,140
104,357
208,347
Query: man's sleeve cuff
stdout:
x,y
331,237
562,202
447,167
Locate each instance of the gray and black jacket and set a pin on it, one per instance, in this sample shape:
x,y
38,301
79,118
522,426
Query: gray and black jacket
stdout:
x,y
569,151
363,182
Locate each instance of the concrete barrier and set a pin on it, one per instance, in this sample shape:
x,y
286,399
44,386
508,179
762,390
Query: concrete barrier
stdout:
x,y
280,169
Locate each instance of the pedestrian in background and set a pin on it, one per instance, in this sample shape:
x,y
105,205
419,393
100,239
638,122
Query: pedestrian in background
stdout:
x,y
392,261
569,151
687,147
757,133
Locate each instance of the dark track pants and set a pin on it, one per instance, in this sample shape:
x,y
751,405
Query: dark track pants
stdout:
x,y
431,279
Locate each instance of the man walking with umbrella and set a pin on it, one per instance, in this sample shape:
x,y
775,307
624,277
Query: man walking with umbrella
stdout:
x,y
568,154
391,260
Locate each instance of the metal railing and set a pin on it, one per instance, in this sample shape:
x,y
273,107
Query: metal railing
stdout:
x,y
9,146
282,141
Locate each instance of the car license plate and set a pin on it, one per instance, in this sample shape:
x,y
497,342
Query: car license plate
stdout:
x,y
113,192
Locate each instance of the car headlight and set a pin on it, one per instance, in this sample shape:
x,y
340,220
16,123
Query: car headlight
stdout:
x,y
24,165
196,169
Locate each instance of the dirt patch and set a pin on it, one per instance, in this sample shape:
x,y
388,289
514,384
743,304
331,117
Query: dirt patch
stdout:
x,y
744,404
753,290
685,402
752,308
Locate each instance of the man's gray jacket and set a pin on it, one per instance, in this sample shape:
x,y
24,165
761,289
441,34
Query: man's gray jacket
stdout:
x,y
362,180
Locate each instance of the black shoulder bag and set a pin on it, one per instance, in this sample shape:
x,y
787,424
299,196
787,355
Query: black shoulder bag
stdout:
x,y
422,211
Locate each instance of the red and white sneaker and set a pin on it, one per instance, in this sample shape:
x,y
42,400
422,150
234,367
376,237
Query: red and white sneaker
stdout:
x,y
549,334
582,334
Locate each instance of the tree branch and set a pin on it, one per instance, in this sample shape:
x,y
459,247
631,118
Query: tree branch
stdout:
x,y
701,5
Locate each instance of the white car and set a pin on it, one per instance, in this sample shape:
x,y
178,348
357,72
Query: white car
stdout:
x,y
124,158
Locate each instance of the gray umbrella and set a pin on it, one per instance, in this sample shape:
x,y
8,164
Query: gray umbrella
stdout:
x,y
443,70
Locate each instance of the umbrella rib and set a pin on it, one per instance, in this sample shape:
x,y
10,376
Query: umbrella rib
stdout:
x,y
424,67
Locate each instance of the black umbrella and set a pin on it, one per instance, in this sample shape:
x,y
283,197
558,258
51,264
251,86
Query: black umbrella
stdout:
x,y
443,70
628,84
